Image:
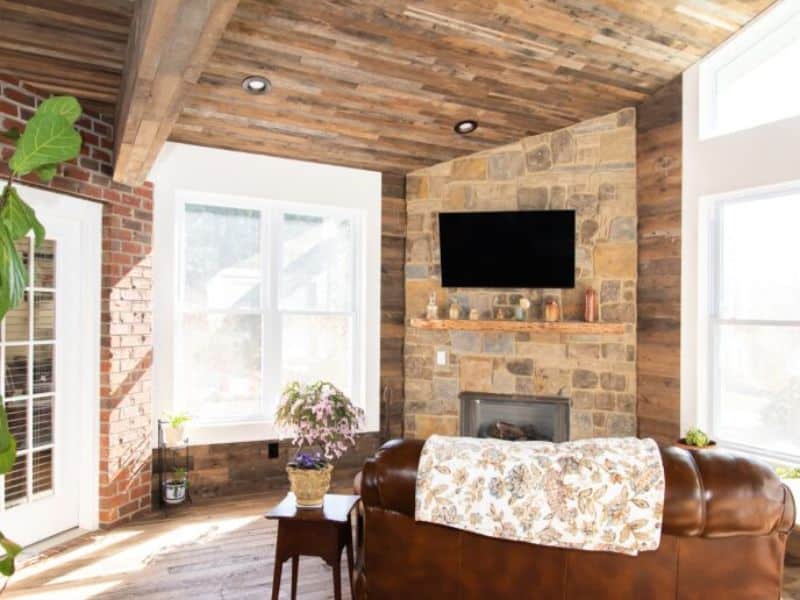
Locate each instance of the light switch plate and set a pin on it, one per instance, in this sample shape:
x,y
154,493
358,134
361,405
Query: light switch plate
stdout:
x,y
441,358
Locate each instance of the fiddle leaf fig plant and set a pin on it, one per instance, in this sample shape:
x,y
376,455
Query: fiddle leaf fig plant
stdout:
x,y
49,139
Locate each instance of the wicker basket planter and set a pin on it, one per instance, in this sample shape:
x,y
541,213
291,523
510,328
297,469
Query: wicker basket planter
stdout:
x,y
310,485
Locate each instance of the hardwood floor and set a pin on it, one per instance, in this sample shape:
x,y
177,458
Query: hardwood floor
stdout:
x,y
217,549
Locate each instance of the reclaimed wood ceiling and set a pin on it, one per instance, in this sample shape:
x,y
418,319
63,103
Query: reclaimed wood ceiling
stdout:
x,y
379,84
67,46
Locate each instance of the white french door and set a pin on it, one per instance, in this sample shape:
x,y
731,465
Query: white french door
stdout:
x,y
46,347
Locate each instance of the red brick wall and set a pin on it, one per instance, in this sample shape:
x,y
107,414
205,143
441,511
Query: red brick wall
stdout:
x,y
126,330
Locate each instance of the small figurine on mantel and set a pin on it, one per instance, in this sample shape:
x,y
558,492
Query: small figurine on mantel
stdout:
x,y
432,310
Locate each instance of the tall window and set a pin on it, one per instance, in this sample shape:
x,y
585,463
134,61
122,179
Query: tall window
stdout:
x,y
267,295
754,320
750,81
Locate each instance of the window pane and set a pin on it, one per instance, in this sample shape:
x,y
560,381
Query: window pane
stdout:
x,y
17,482
759,386
18,321
222,262
757,240
317,347
317,260
221,369
757,86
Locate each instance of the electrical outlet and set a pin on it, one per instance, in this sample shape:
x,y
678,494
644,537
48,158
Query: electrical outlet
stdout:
x,y
272,449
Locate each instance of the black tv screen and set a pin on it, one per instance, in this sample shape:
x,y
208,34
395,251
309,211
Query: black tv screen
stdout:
x,y
521,249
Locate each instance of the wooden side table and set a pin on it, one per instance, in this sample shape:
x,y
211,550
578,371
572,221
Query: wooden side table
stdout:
x,y
322,532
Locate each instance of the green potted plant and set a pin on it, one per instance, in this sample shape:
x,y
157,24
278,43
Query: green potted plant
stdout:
x,y
324,421
174,428
175,488
49,139
696,439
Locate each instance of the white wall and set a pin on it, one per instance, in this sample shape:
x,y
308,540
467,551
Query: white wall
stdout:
x,y
184,168
757,157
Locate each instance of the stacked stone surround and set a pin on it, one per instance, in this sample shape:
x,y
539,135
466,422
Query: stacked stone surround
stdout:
x,y
589,167
126,327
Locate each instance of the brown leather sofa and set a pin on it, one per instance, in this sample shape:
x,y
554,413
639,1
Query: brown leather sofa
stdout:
x,y
726,522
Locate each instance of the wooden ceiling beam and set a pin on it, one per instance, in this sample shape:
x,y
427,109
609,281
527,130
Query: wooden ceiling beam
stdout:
x,y
168,47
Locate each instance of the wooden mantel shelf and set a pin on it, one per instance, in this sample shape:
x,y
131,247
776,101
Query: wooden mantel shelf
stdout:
x,y
571,327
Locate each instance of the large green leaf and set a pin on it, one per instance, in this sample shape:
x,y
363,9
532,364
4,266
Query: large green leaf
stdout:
x,y
46,172
12,549
19,218
8,445
48,138
13,275
63,106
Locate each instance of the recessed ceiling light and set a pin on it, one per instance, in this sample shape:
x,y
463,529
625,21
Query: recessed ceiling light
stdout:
x,y
255,84
464,127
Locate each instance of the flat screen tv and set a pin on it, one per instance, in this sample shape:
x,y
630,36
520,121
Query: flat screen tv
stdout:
x,y
521,249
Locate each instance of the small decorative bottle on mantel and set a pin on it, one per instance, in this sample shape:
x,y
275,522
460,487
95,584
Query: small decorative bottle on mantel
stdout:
x,y
455,311
552,312
432,310
590,309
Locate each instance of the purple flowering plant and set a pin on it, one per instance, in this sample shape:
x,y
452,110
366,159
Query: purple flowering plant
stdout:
x,y
319,416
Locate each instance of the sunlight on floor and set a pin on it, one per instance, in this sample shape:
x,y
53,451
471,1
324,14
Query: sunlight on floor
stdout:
x,y
105,561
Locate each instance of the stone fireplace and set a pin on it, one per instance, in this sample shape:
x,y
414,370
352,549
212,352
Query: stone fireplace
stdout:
x,y
514,417
589,168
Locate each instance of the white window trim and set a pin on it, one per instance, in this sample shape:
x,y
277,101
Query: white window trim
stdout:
x,y
741,42
697,408
183,171
270,211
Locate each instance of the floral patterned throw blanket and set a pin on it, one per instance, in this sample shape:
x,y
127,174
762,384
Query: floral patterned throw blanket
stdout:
x,y
595,494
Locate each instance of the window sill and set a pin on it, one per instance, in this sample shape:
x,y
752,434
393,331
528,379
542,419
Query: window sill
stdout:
x,y
232,432
201,434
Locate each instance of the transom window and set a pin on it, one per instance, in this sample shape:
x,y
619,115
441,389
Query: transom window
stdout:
x,y
750,80
268,294
754,319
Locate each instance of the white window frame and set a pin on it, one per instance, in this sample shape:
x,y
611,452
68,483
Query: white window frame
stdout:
x,y
742,43
218,173
271,211
700,407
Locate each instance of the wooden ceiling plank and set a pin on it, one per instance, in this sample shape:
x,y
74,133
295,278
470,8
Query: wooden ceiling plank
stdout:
x,y
391,77
169,45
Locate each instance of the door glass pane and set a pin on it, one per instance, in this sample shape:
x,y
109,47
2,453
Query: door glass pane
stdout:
x,y
17,482
757,239
758,387
222,262
17,370
42,471
43,368
44,316
17,321
317,347
221,372
317,263
42,421
17,411
45,272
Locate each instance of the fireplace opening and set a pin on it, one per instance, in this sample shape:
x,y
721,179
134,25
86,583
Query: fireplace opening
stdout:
x,y
515,417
